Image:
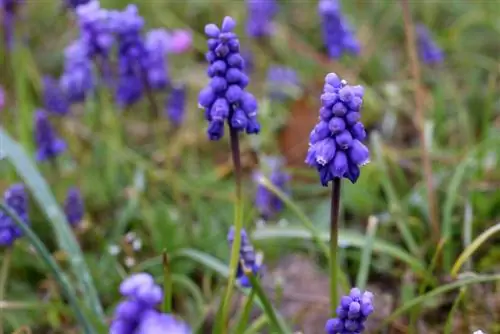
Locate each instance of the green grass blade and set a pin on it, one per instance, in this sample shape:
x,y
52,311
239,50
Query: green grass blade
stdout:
x,y
48,204
58,273
242,322
348,238
366,254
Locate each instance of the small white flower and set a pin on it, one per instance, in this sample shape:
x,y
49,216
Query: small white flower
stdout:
x,y
113,250
130,236
137,244
479,332
129,261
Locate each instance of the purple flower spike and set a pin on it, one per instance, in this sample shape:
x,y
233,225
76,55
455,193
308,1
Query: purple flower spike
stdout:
x,y
49,146
250,260
260,16
225,99
73,207
137,314
281,82
335,147
75,3
337,33
77,80
266,202
176,105
54,98
3,98
352,313
16,198
429,51
8,11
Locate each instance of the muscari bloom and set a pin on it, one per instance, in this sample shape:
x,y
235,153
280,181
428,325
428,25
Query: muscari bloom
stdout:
x,y
335,143
225,98
73,207
338,35
267,202
8,9
48,145
352,313
260,16
16,198
77,80
176,105
75,3
54,98
137,313
2,98
248,257
428,50
281,81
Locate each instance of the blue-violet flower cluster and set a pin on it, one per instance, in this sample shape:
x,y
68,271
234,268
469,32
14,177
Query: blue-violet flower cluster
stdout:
x,y
75,3
54,98
137,314
176,105
282,82
250,259
8,9
48,145
260,17
428,50
225,98
338,35
352,313
266,201
73,207
335,144
15,198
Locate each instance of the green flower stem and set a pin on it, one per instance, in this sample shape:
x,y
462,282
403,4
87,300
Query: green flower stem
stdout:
x,y
4,275
167,284
238,226
58,273
334,241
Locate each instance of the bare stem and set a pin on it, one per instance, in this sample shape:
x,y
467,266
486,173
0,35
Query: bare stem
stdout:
x,y
420,116
334,231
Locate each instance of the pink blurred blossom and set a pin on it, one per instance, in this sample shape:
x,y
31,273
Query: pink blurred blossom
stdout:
x,y
181,41
2,98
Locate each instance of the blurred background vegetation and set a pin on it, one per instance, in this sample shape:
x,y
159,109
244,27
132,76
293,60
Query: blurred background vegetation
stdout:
x,y
149,185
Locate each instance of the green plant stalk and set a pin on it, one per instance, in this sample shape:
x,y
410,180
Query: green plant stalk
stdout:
x,y
238,226
366,255
456,304
242,322
4,276
58,273
334,241
316,235
257,325
167,284
277,322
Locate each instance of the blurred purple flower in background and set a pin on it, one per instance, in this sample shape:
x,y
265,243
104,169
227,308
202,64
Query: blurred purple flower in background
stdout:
x,y
260,16
176,105
15,198
137,314
428,50
75,3
352,313
337,33
266,202
77,80
180,41
8,14
225,98
335,147
73,207
282,82
157,45
54,98
3,99
247,255
48,145
248,61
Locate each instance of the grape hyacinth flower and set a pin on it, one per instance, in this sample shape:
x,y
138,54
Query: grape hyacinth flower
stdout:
x,y
15,198
8,9
49,146
260,16
76,81
54,98
282,81
352,313
73,207
248,259
336,151
338,35
335,144
225,98
266,201
176,105
428,50
75,3
157,45
2,98
137,313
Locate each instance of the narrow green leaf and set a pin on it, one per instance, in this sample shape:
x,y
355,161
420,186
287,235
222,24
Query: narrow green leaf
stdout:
x,y
366,254
242,322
